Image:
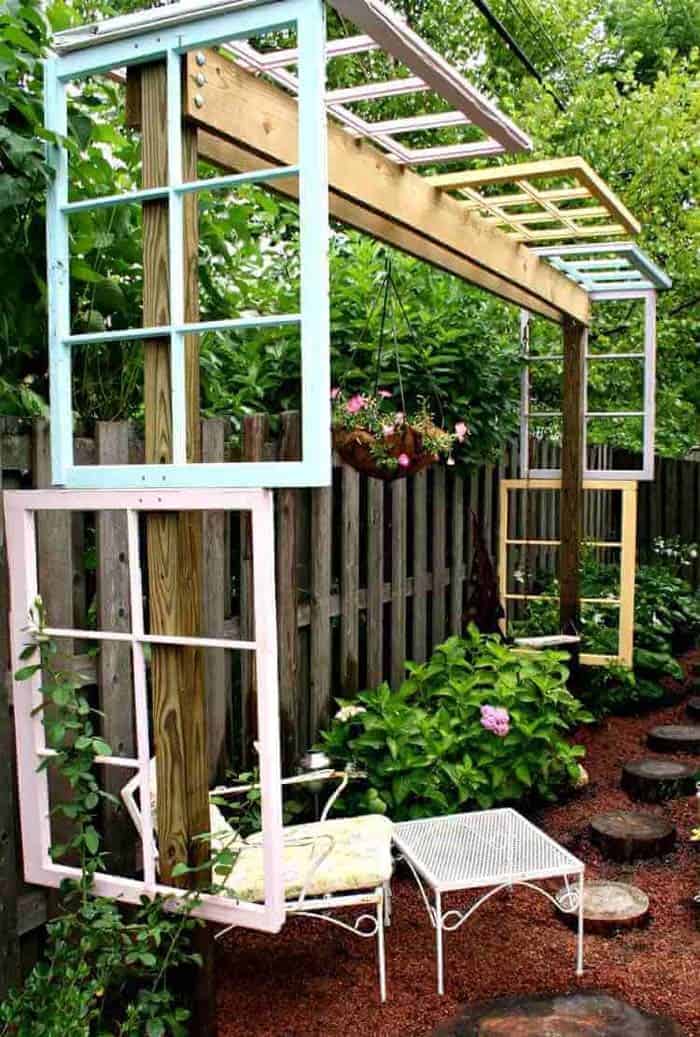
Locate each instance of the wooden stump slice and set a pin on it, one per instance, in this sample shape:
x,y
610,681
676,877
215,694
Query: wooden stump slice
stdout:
x,y
607,907
652,781
675,738
693,708
624,835
570,1015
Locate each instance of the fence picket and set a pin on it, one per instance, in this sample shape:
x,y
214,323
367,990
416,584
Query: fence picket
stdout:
x,y
439,525
420,565
398,581
375,581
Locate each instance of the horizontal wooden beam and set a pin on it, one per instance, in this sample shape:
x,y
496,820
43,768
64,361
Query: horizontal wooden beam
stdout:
x,y
246,123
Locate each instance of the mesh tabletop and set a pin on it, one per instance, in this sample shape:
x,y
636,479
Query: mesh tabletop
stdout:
x,y
484,848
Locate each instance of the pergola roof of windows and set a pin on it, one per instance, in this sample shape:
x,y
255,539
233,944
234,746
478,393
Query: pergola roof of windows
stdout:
x,y
423,71
607,267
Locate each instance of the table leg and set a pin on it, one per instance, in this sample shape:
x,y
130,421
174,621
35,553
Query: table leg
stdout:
x,y
579,948
438,937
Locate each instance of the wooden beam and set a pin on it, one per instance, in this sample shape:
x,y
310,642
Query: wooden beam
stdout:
x,y
249,123
572,463
175,542
573,166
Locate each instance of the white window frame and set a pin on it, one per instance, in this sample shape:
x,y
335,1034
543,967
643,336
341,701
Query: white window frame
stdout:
x,y
21,507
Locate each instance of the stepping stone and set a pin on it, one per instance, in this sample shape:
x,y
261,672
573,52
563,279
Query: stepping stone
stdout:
x,y
624,835
573,1015
652,781
675,738
692,708
607,907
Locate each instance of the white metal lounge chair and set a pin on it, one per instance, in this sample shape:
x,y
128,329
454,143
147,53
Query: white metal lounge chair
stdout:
x,y
341,863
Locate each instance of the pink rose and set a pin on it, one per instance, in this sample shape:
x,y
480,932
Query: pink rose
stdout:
x,y
335,393
403,460
387,430
461,431
399,417
385,394
355,404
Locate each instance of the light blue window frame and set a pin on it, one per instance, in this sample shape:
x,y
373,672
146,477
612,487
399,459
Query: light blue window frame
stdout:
x,y
169,44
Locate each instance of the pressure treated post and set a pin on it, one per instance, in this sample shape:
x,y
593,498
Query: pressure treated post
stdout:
x,y
571,507
174,540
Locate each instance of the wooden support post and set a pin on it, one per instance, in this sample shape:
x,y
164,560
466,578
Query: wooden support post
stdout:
x,y
175,540
320,632
571,505
9,865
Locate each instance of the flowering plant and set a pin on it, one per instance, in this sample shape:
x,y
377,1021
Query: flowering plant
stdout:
x,y
370,433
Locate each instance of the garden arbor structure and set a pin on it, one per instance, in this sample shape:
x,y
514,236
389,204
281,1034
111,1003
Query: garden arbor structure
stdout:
x,y
199,87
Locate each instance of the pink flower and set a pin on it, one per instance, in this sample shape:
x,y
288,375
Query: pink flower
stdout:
x,y
387,430
496,720
385,394
403,460
461,431
355,404
399,417
335,393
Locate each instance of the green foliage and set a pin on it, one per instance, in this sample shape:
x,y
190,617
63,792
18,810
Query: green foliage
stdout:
x,y
424,748
106,972
666,623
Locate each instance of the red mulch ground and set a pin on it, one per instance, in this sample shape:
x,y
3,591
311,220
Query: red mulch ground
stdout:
x,y
313,980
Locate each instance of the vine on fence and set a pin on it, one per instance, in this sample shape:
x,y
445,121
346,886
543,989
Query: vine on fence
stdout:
x,y
106,971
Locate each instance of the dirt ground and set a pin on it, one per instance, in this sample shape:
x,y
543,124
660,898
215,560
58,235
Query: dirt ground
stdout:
x,y
313,980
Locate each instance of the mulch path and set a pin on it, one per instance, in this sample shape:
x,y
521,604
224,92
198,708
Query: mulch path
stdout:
x,y
313,980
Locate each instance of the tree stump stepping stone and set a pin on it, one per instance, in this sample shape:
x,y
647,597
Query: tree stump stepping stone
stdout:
x,y
692,708
607,907
624,835
573,1015
675,738
652,781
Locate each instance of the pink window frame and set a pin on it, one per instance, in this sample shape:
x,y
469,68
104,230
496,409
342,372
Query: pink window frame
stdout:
x,y
20,515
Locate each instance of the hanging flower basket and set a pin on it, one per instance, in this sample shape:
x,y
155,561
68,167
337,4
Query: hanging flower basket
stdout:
x,y
385,444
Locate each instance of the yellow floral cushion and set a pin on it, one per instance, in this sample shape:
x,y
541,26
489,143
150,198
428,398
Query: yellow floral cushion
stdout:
x,y
359,857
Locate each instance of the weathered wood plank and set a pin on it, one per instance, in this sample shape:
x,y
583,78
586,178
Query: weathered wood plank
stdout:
x,y
456,581
288,504
349,579
215,594
114,660
320,632
420,567
375,581
10,964
439,542
398,581
255,428
571,496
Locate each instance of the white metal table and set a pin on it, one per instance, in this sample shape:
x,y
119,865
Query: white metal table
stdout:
x,y
495,848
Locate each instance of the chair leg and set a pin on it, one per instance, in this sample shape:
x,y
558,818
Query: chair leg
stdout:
x,y
387,903
381,955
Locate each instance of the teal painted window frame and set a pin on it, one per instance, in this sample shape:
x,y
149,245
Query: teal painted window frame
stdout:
x,y
169,44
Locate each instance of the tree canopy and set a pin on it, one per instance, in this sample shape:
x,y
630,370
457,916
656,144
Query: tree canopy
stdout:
x,y
625,75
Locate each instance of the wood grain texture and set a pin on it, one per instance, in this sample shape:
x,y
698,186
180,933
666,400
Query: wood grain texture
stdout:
x,y
255,427
115,687
320,660
215,596
420,567
439,544
375,581
349,580
399,531
10,964
265,124
571,506
456,541
288,503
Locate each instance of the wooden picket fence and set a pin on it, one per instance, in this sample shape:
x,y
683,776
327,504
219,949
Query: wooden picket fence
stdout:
x,y
368,575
